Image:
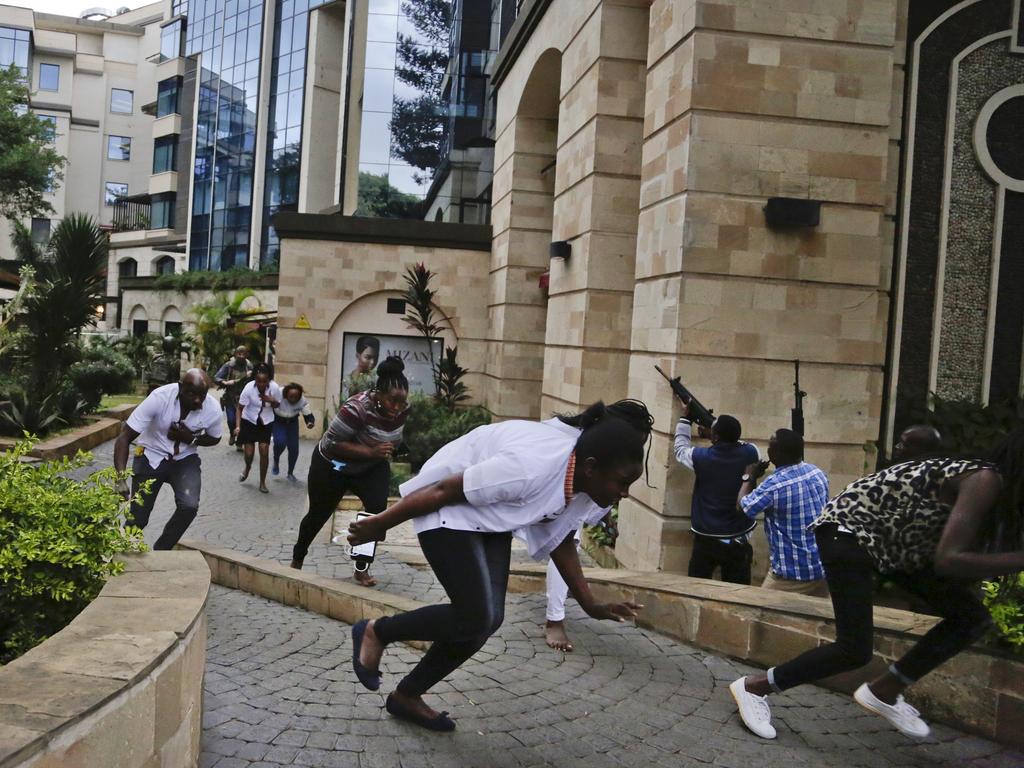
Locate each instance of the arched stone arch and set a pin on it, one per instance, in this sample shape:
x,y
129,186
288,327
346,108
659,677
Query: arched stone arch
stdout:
x,y
163,264
136,318
368,315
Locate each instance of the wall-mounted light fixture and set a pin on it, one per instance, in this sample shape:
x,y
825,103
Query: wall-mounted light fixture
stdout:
x,y
560,249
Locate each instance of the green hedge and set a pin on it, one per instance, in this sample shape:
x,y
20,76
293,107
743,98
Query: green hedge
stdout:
x,y
431,425
58,539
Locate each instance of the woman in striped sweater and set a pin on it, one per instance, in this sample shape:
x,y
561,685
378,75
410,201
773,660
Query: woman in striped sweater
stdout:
x,y
353,455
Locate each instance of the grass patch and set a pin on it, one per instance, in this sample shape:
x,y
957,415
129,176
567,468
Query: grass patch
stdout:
x,y
109,401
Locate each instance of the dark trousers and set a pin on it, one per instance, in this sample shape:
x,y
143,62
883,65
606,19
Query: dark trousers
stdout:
x,y
473,569
326,486
185,478
849,572
734,558
286,435
231,414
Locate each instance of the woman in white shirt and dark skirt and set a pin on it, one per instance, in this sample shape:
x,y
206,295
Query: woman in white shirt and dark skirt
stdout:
x,y
256,407
532,478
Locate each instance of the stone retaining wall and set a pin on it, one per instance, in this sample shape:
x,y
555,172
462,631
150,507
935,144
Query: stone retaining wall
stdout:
x,y
106,425
122,684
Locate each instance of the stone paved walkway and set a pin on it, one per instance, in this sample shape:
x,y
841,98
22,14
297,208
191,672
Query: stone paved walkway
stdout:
x,y
279,690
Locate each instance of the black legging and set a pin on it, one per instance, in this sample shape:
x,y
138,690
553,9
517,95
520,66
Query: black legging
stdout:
x,y
473,569
848,569
326,486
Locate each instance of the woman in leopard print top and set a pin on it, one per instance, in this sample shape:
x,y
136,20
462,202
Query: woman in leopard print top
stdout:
x,y
930,525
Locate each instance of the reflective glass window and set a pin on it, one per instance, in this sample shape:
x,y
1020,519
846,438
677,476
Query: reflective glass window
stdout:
x,y
49,77
165,154
114,190
121,101
162,211
119,148
168,97
40,231
14,48
172,39
127,268
51,123
165,266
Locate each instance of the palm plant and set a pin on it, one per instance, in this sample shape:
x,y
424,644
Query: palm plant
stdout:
x,y
68,287
217,334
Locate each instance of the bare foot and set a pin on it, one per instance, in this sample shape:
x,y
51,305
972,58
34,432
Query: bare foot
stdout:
x,y
364,578
556,637
413,704
371,649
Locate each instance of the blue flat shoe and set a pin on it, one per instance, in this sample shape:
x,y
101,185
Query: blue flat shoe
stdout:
x,y
440,723
370,678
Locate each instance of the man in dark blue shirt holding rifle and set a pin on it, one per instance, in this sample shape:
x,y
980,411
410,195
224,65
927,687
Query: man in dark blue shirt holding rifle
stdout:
x,y
720,531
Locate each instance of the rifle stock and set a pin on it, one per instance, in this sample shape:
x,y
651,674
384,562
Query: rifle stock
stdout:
x,y
698,412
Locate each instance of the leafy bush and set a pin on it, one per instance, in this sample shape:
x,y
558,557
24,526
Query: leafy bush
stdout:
x,y
92,379
1004,599
399,475
431,425
58,539
970,428
22,410
605,533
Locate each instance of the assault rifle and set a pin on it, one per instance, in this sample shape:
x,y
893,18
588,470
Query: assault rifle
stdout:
x,y
698,412
797,413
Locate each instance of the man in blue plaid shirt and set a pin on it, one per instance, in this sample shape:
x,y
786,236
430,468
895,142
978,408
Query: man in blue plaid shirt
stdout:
x,y
790,499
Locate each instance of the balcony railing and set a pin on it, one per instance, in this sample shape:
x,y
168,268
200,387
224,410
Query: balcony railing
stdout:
x,y
131,213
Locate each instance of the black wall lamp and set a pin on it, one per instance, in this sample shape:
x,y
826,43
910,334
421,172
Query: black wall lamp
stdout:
x,y
560,249
786,212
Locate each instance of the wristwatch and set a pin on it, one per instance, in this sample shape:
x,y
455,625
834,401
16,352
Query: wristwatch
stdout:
x,y
746,478
196,435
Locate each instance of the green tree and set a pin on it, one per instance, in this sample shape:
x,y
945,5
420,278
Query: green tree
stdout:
x,y
418,123
379,199
29,165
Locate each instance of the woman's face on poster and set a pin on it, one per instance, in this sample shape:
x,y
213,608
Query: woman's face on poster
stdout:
x,y
366,360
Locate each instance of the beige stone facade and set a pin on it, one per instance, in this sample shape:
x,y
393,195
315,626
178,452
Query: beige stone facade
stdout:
x,y
649,135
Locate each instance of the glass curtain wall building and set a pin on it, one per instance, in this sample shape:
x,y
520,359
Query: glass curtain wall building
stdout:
x,y
228,35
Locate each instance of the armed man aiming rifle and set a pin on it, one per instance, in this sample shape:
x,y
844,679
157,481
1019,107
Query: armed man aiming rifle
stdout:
x,y
720,530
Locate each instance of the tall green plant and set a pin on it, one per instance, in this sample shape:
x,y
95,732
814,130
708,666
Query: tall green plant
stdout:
x,y
58,542
419,299
217,333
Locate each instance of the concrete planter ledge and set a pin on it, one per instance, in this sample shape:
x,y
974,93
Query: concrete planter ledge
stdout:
x,y
344,601
980,691
96,431
121,685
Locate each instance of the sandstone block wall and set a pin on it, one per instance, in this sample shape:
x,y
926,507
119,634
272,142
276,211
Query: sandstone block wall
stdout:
x,y
741,105
122,684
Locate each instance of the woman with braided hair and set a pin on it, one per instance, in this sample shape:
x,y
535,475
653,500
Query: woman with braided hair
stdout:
x,y
354,456
936,527
539,480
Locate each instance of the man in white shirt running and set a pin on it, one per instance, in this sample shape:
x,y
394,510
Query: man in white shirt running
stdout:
x,y
168,426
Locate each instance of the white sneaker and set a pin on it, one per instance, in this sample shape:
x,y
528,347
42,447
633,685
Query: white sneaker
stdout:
x,y
904,717
754,710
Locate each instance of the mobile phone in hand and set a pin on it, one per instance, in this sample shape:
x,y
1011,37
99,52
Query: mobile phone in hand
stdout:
x,y
363,552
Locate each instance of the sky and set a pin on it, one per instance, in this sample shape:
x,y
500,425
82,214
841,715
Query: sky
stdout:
x,y
75,7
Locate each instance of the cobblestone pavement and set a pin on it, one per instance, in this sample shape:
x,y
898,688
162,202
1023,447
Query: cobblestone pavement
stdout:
x,y
279,688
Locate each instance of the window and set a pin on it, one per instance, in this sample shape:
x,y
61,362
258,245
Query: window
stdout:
x,y
179,7
121,101
162,211
49,77
40,231
14,46
167,93
51,126
114,190
165,154
172,328
171,39
165,265
119,148
140,328
127,268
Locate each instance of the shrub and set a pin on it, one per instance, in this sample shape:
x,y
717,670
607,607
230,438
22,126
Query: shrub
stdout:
x,y
399,475
431,425
92,379
58,539
1004,599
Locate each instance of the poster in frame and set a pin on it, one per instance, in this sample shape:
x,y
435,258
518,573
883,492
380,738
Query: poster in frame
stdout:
x,y
362,351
